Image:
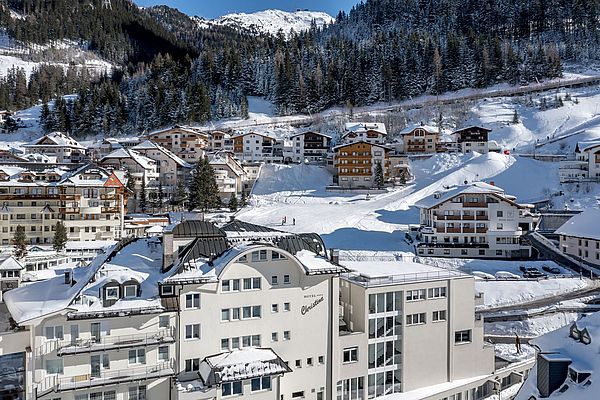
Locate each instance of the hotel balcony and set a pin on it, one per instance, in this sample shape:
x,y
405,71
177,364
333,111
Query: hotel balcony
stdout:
x,y
105,343
476,204
61,384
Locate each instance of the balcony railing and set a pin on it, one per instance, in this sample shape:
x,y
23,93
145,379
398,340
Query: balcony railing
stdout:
x,y
401,278
475,204
104,343
58,383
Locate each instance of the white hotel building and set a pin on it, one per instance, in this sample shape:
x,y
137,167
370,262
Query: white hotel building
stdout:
x,y
477,220
248,311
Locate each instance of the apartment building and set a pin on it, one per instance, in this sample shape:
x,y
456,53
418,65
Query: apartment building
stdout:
x,y
355,163
583,165
171,169
580,236
59,146
99,332
472,138
257,147
409,328
89,201
370,132
137,165
477,220
230,175
420,139
186,142
221,141
566,363
307,147
399,169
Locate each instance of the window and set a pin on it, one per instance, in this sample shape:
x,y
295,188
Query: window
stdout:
x,y
413,295
192,300
192,331
274,308
163,353
231,388
112,293
130,291
137,356
225,344
297,395
251,283
321,360
286,335
225,314
163,321
192,364
137,393
54,367
54,332
166,290
230,285
263,383
350,355
274,280
435,293
260,255
286,307
462,336
309,361
498,252
439,316
298,363
415,319
286,279
277,256
251,312
274,337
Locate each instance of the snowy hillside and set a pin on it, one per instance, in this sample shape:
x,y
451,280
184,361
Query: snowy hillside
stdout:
x,y
271,21
61,53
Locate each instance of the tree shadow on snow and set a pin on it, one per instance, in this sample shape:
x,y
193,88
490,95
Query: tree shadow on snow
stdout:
x,y
356,239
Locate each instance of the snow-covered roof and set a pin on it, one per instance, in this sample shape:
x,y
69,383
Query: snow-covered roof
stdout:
x,y
56,139
588,145
241,364
10,263
427,128
559,345
139,260
313,132
141,160
472,127
583,225
362,141
150,145
473,188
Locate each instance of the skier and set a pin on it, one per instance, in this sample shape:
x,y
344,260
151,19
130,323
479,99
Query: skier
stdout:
x,y
518,343
293,221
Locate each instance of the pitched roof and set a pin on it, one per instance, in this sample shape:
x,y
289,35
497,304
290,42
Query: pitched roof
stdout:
x,y
10,263
365,126
587,145
473,188
362,141
583,225
57,139
412,127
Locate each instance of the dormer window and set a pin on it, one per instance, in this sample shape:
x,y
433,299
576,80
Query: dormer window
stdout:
x,y
574,332
130,290
585,338
111,293
166,290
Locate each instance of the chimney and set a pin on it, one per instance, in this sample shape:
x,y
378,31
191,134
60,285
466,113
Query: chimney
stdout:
x,y
335,256
492,183
68,277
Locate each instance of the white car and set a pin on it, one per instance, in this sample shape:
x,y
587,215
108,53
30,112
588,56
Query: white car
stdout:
x,y
483,275
506,275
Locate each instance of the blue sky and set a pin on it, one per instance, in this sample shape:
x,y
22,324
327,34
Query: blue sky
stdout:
x,y
215,8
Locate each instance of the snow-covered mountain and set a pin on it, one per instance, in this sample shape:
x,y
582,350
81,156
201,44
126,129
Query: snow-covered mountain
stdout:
x,y
270,21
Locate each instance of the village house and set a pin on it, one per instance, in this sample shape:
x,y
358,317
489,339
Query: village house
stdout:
x,y
10,274
60,146
420,139
230,175
369,132
472,138
583,165
476,220
307,147
580,236
89,200
186,142
355,164
221,141
257,147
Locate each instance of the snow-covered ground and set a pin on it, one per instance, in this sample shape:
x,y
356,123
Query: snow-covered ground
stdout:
x,y
503,293
509,352
531,327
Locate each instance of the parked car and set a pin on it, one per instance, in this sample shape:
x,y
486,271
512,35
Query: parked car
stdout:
x,y
483,275
505,275
551,270
534,274
524,269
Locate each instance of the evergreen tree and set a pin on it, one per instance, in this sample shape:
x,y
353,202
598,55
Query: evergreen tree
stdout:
x,y
60,237
204,191
159,197
180,194
379,178
244,199
143,197
20,242
515,119
233,203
